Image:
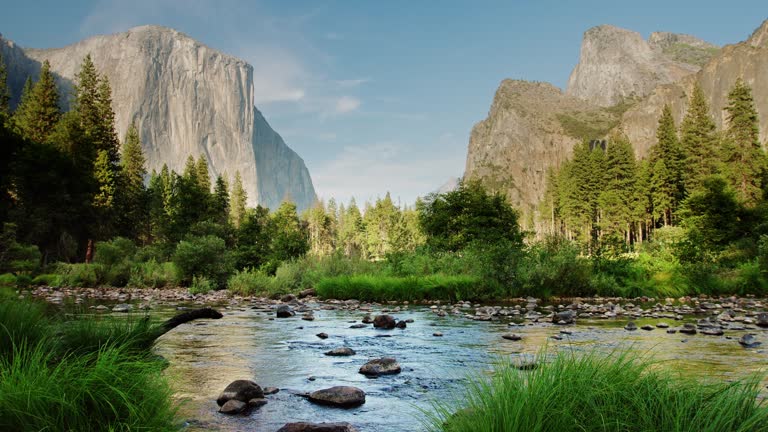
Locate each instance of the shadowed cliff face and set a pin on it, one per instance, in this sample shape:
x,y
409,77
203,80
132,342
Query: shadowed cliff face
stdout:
x,y
186,99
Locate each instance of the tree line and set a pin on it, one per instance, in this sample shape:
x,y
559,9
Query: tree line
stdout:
x,y
605,197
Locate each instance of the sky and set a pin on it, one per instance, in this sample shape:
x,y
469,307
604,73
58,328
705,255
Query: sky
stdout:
x,y
381,96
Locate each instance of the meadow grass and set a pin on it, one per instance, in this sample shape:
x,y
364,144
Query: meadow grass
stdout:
x,y
600,392
79,375
386,288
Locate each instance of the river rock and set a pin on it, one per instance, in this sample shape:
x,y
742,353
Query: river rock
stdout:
x,y
124,307
437,334
270,390
233,406
662,325
384,321
382,366
748,341
358,326
512,337
688,328
322,335
713,332
762,319
256,402
308,317
285,311
340,352
367,319
631,326
647,327
564,317
401,324
339,396
307,293
241,390
317,427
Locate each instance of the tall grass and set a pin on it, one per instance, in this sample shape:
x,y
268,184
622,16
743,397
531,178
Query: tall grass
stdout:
x,y
594,392
385,288
79,375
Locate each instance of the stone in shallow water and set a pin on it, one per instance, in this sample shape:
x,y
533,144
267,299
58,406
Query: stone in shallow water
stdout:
x,y
340,352
317,427
631,326
285,311
749,341
382,366
689,329
270,390
512,337
647,327
322,335
233,407
384,322
256,403
339,396
241,390
662,325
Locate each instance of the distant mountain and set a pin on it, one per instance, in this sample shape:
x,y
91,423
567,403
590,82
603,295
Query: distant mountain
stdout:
x,y
450,185
621,82
186,99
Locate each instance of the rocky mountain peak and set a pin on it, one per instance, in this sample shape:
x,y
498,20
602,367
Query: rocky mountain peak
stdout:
x,y
760,36
616,64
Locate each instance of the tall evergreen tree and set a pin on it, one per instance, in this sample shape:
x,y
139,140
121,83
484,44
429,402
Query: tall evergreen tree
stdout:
x,y
39,112
743,157
667,161
132,194
106,133
237,201
220,207
616,199
5,93
203,175
699,141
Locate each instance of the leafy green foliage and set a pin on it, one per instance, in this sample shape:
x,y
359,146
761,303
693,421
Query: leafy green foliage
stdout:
x,y
384,288
202,256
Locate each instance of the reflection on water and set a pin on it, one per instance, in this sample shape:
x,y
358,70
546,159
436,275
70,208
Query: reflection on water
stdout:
x,y
206,356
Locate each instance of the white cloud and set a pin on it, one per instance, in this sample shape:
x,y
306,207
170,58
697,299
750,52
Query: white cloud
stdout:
x,y
347,104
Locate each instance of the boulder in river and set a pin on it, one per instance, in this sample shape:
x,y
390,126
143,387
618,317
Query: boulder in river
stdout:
x,y
512,337
564,317
762,319
124,307
631,326
367,319
317,427
381,366
688,328
647,327
256,402
285,311
241,390
322,335
384,321
340,352
307,293
401,324
339,396
749,341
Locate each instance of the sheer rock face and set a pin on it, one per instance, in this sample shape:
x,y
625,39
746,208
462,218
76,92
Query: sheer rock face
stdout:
x,y
186,99
511,150
616,64
748,60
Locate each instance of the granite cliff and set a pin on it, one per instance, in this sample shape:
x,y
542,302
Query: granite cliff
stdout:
x,y
186,99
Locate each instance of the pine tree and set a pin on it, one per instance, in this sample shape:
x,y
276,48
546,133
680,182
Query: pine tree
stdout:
x,y
38,113
643,200
203,176
616,200
106,134
86,98
132,194
667,160
220,207
743,156
5,93
237,201
699,142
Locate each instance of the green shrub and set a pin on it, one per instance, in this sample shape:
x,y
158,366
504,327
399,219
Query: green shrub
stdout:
x,y
201,285
14,256
114,252
7,280
250,282
51,280
554,268
79,275
23,281
153,274
592,392
203,256
386,288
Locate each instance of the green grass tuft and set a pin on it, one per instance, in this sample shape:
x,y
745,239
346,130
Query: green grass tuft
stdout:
x,y
385,288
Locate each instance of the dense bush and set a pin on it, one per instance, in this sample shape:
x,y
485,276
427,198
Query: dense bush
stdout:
x,y
386,288
203,256
201,285
250,282
153,274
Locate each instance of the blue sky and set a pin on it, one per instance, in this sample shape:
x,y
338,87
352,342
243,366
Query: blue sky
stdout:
x,y
381,96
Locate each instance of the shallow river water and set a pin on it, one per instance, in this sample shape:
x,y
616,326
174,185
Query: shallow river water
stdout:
x,y
205,356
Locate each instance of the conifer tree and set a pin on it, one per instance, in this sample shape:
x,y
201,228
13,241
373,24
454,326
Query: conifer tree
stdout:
x,y
666,158
643,201
39,112
5,93
616,200
237,201
106,134
133,197
203,176
743,157
699,141
220,205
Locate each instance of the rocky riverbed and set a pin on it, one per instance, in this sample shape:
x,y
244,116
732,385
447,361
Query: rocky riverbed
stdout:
x,y
434,345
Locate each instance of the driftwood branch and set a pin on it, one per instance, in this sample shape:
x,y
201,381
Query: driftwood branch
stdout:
x,y
188,316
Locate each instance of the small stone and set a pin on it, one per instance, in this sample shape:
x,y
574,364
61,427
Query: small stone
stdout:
x,y
317,427
512,337
437,334
381,366
307,293
241,390
384,322
401,325
233,407
647,327
285,311
340,396
713,332
358,326
748,341
688,329
308,317
340,352
662,325
631,326
122,308
322,335
270,390
671,331
256,403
